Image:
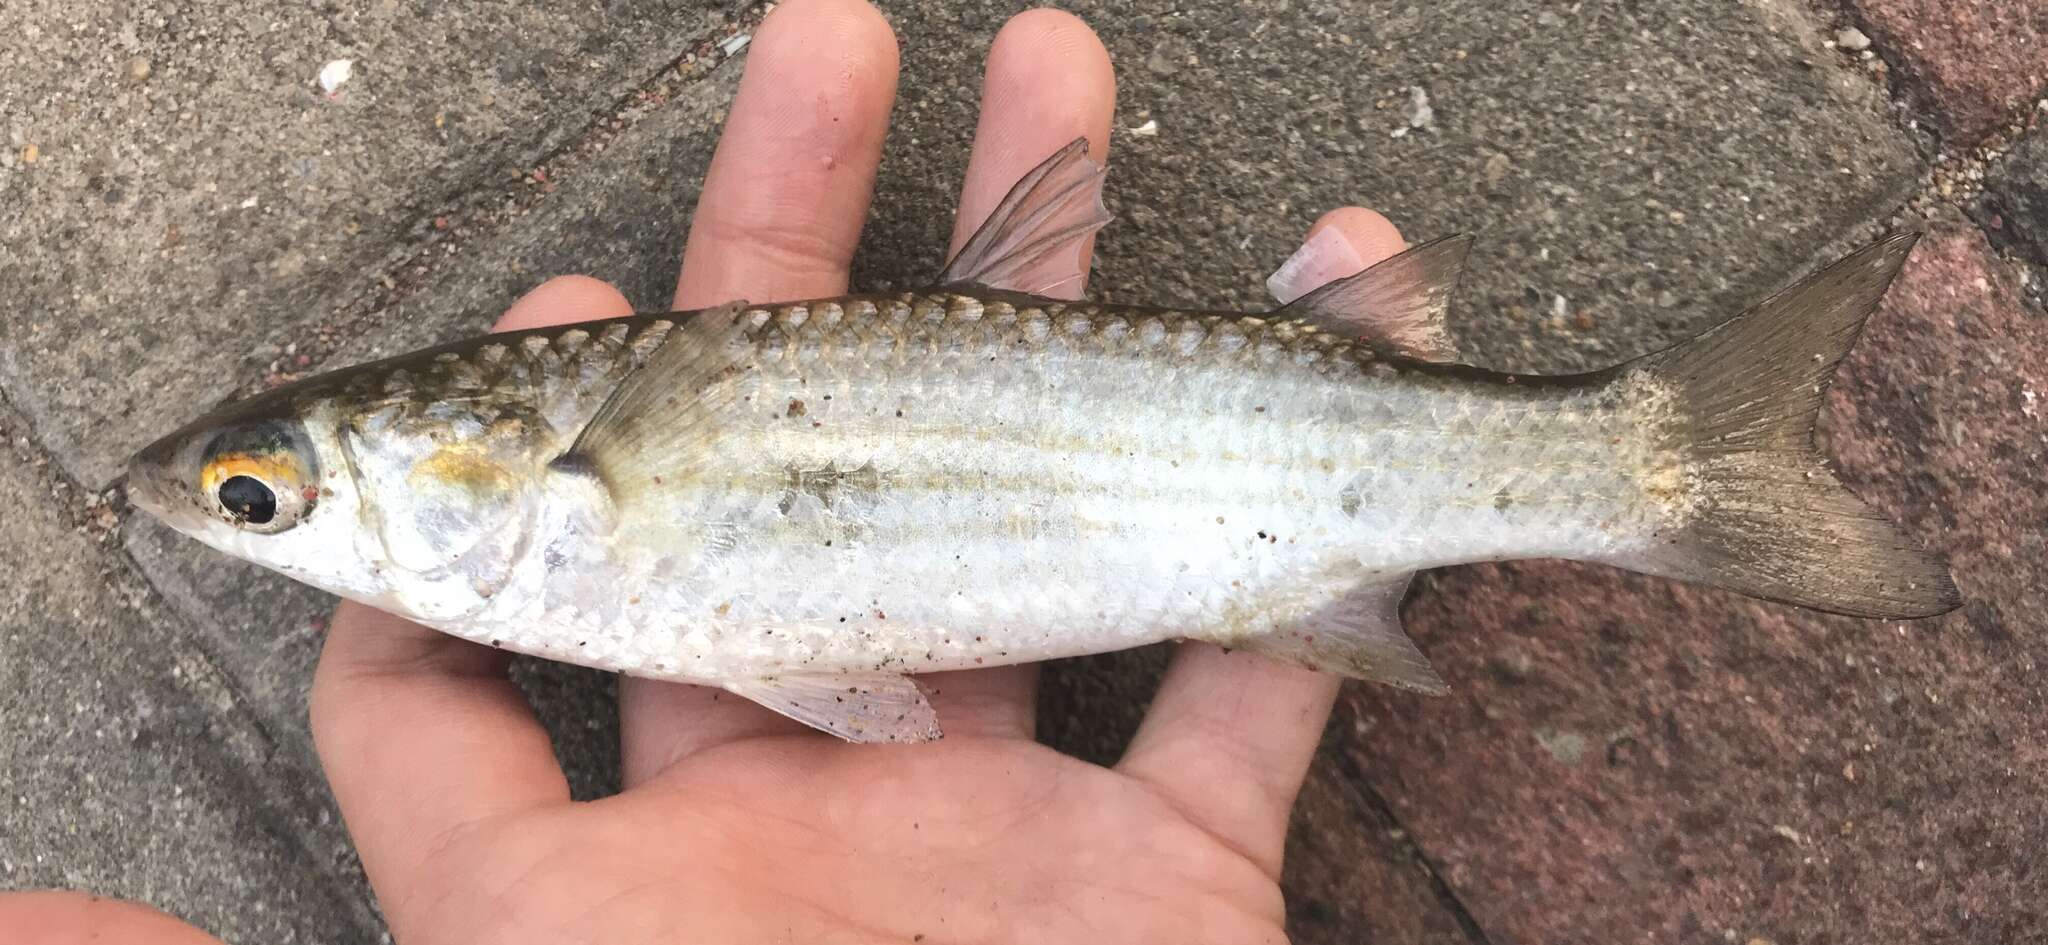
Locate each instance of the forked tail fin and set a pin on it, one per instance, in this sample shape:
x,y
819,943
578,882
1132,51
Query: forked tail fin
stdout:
x,y
1770,519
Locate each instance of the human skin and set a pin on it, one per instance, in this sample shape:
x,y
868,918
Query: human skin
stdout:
x,y
736,824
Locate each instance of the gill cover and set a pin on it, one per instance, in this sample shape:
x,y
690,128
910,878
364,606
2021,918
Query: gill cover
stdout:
x,y
448,490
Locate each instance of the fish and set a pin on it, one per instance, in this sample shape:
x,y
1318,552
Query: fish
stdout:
x,y
810,503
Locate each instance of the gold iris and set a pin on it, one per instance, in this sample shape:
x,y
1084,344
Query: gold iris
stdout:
x,y
264,490
280,470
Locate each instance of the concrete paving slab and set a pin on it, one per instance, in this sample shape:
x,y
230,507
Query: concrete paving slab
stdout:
x,y
262,630
620,215
1648,167
1353,873
128,766
1628,759
179,196
1782,181
1973,63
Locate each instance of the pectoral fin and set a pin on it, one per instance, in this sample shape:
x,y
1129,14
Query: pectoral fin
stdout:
x,y
1357,637
661,413
1051,210
858,707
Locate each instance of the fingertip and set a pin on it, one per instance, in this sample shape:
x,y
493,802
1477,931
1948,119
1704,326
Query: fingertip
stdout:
x,y
1341,243
60,917
788,188
1372,236
853,32
1055,56
563,300
1048,79
819,71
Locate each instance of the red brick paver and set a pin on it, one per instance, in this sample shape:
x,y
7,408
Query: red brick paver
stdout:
x,y
1976,60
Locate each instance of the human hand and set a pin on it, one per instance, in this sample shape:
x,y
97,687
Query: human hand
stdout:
x,y
739,825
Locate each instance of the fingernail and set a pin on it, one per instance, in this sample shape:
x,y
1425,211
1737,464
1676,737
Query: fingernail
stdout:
x,y
1324,256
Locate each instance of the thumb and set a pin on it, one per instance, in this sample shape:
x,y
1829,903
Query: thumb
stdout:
x,y
66,918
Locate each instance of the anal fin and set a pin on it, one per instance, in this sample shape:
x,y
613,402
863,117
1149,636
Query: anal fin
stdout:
x,y
1357,637
858,707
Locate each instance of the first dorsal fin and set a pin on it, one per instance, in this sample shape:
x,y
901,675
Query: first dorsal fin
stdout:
x,y
1052,208
656,414
1399,304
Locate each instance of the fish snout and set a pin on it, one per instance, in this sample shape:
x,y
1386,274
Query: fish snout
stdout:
x,y
152,485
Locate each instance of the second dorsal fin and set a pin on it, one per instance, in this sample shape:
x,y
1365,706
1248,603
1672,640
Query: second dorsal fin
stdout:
x,y
1399,303
1052,208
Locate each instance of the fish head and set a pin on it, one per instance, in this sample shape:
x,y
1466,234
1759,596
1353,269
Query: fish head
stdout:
x,y
259,481
422,506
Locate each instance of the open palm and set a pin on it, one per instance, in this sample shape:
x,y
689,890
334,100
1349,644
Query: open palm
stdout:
x,y
771,839
737,825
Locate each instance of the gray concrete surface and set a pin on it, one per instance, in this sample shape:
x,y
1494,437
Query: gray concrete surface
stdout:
x,y
1653,167
190,183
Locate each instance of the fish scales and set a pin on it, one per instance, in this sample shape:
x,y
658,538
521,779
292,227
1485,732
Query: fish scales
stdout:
x,y
1046,476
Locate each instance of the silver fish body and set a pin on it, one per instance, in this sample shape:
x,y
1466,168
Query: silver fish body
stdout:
x,y
940,482
805,503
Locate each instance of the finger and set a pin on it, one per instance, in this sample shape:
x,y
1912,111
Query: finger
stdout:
x,y
1230,735
1048,82
422,737
661,723
71,918
564,300
420,733
789,184
780,215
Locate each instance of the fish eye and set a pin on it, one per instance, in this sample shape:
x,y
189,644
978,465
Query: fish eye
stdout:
x,y
248,499
259,479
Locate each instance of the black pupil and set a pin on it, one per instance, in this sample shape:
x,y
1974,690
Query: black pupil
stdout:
x,y
249,499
